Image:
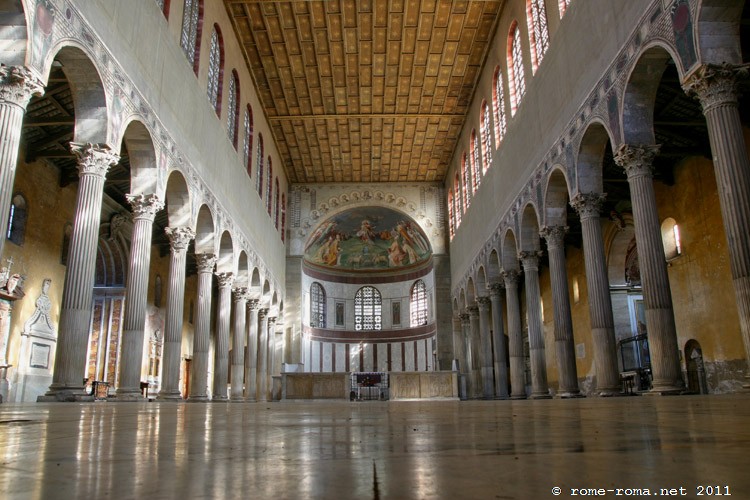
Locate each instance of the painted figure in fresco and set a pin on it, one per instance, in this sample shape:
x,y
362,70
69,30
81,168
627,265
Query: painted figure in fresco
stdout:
x,y
332,258
396,254
321,255
365,233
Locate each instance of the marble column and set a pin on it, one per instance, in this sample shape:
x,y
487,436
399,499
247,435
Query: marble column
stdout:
x,y
179,239
202,334
539,388
145,208
17,85
588,206
271,355
458,343
251,356
78,291
515,335
488,380
500,353
476,351
221,345
564,345
716,88
262,355
637,161
465,361
239,337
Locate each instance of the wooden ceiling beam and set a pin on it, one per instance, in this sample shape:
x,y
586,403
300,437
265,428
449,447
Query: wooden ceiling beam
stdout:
x,y
356,116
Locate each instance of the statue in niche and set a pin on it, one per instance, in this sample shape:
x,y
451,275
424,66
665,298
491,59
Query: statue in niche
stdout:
x,y
40,322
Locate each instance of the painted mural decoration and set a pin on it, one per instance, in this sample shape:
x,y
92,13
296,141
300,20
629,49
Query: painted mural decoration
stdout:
x,y
368,239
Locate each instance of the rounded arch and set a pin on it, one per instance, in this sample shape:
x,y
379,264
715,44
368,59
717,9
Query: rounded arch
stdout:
x,y
177,202
266,291
556,197
619,245
243,276
530,228
274,298
718,31
462,299
591,158
225,263
255,278
471,292
456,309
204,231
509,254
144,173
14,38
89,98
493,266
640,93
481,281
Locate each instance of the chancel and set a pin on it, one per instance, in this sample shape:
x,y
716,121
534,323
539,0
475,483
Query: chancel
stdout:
x,y
397,248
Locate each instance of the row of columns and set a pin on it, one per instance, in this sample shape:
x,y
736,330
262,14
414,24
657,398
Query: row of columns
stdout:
x,y
716,89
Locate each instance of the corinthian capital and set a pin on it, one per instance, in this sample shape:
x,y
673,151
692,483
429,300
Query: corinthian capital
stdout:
x,y
253,304
205,262
239,293
555,235
179,237
17,85
530,259
225,279
144,206
716,84
637,159
496,289
588,205
483,303
511,278
94,159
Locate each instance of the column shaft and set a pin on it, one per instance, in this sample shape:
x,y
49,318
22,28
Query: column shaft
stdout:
x,y
221,345
239,337
271,356
488,380
251,356
179,239
515,336
476,352
500,352
202,335
539,387
263,356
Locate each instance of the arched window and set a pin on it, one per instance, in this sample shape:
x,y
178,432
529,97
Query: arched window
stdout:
x,y
248,147
536,15
418,304
563,5
457,200
476,161
283,217
269,184
192,26
164,7
498,104
317,306
276,206
233,108
465,181
451,220
215,70
259,178
515,68
368,308
16,229
486,141
670,235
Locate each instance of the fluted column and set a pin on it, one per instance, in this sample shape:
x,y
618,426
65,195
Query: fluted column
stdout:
x,y
251,356
202,335
564,345
179,239
17,85
488,381
588,206
458,347
501,363
716,88
78,291
271,355
145,208
515,335
239,337
465,360
476,351
637,160
539,388
262,355
221,346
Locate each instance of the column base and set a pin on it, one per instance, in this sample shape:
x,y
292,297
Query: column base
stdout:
x,y
128,396
66,396
540,396
569,395
665,391
238,399
251,400
609,393
198,399
518,396
219,399
169,396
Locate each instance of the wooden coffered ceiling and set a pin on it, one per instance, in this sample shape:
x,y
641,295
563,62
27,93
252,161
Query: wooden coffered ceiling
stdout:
x,y
365,90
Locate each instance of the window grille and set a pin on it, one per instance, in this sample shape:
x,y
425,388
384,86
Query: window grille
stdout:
x,y
367,309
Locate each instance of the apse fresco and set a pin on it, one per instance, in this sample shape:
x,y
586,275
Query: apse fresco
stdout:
x,y
368,239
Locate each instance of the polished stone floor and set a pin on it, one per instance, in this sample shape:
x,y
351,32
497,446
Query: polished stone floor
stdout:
x,y
480,449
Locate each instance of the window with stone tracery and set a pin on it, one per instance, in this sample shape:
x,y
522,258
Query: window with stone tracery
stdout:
x,y
515,67
269,185
283,217
233,108
418,304
457,201
259,162
248,146
215,70
538,34
498,104
368,308
486,141
317,306
563,5
276,207
190,37
465,182
476,161
451,220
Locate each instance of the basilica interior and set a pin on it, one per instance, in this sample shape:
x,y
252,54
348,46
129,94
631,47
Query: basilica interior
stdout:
x,y
398,248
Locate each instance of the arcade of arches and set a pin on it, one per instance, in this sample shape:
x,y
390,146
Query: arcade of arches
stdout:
x,y
249,201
